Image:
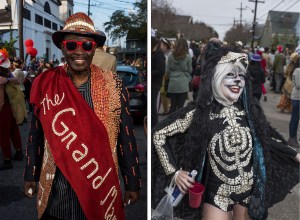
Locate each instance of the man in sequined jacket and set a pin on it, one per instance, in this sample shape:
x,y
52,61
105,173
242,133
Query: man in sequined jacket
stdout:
x,y
81,134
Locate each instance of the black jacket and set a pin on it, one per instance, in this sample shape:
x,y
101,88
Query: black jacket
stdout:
x,y
257,78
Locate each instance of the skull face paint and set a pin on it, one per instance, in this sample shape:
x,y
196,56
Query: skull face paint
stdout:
x,y
228,82
233,84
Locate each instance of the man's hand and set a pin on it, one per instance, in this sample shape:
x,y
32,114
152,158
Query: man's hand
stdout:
x,y
130,197
29,189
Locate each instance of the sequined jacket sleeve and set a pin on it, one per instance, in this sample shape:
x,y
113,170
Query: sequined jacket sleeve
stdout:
x,y
127,148
34,151
180,125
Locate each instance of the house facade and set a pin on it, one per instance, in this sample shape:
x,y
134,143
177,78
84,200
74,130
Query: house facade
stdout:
x,y
41,18
281,28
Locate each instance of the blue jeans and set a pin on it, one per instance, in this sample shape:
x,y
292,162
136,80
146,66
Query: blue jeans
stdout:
x,y
294,122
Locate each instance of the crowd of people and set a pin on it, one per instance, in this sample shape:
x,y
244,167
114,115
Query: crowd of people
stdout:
x,y
179,72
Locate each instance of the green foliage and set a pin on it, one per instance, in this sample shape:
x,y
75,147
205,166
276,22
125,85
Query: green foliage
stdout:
x,y
238,33
9,46
120,23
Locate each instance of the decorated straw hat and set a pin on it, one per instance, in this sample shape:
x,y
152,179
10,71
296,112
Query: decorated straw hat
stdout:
x,y
4,60
78,24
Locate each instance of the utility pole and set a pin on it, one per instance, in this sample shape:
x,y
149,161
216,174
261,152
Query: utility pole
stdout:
x,y
241,13
254,21
20,27
89,13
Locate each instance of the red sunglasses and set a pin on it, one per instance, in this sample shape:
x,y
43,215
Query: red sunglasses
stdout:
x,y
72,45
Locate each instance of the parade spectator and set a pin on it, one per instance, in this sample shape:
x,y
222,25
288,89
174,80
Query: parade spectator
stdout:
x,y
295,96
224,135
263,64
157,72
62,61
178,70
81,133
285,103
279,63
18,72
165,46
104,60
42,66
49,65
16,93
27,88
32,66
9,131
266,57
257,76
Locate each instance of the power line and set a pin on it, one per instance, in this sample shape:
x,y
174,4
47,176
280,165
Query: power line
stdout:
x,y
123,1
283,12
267,6
101,7
271,9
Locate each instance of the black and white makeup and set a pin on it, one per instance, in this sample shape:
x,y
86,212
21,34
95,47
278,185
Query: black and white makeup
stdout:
x,y
228,82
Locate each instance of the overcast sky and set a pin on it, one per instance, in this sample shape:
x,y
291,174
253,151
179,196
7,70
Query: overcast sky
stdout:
x,y
102,10
220,14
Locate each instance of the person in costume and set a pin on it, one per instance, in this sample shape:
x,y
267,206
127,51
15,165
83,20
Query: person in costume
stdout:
x,y
81,133
245,165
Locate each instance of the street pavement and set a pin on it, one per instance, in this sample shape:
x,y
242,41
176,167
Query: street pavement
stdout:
x,y
289,209
14,206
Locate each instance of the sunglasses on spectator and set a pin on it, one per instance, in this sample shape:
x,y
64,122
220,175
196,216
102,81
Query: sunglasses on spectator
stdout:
x,y
72,45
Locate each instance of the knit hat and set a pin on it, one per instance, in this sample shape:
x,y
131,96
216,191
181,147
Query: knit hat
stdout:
x,y
279,48
256,57
4,61
79,24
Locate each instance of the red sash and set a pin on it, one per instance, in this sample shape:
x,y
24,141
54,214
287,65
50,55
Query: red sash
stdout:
x,y
79,144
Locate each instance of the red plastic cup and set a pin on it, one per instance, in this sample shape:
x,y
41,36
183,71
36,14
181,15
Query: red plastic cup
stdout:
x,y
195,195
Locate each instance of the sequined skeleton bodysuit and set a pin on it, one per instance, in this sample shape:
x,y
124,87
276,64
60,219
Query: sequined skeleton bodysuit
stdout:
x,y
230,157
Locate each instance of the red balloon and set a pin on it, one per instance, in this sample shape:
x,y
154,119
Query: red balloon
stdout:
x,y
28,43
29,50
33,52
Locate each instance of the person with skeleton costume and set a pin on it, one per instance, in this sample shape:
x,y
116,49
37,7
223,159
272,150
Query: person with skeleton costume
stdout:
x,y
248,166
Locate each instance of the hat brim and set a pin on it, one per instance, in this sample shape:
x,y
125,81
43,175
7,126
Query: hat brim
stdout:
x,y
5,64
59,36
256,60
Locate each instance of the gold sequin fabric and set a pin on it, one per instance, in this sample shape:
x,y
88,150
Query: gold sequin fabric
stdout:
x,y
160,137
230,156
46,180
106,93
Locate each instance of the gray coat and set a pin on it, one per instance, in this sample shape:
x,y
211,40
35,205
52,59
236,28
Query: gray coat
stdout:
x,y
179,73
